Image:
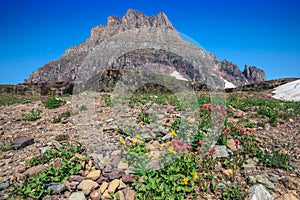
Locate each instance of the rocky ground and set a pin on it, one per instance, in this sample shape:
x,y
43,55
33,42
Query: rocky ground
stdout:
x,y
105,175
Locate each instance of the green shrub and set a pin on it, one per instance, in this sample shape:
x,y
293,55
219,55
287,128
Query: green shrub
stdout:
x,y
53,102
34,115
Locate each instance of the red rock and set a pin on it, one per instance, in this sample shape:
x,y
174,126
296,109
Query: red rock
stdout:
x,y
34,170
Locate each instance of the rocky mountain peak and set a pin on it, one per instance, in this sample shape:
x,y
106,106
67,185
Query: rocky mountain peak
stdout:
x,y
140,42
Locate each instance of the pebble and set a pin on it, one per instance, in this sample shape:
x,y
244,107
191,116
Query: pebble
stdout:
x,y
4,185
103,187
228,172
130,195
113,185
95,195
231,145
86,186
122,185
55,188
94,175
123,165
77,196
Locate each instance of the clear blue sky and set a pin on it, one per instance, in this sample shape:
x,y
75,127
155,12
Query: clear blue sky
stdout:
x,y
264,33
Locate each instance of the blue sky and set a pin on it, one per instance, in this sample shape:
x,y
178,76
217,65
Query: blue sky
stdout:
x,y
264,33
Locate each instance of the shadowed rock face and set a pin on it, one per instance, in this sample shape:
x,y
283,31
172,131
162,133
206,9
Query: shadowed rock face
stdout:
x,y
140,42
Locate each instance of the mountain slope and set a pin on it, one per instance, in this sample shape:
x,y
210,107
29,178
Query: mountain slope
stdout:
x,y
139,42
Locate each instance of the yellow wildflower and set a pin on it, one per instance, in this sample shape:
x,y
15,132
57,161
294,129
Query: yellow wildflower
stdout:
x,y
171,149
138,137
185,180
122,141
173,133
195,175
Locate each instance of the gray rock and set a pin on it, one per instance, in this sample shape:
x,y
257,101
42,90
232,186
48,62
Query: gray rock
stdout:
x,y
43,150
222,151
146,137
262,180
267,127
153,164
249,166
114,174
259,192
4,185
55,188
21,142
77,196
76,178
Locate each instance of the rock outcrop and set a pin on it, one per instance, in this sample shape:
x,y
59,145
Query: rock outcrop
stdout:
x,y
253,74
139,42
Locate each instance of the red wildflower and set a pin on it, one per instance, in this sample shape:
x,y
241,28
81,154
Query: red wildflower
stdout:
x,y
213,150
207,154
198,149
237,142
201,142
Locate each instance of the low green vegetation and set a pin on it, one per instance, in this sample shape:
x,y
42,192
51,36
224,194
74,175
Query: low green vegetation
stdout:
x,y
61,164
34,115
54,102
271,108
64,115
10,99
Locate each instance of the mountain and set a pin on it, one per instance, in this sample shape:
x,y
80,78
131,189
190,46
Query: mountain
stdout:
x,y
148,43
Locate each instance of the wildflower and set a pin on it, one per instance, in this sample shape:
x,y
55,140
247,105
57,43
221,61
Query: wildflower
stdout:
x,y
173,133
138,137
171,150
122,141
208,105
249,142
241,130
250,130
237,142
195,175
220,115
185,180
201,142
189,147
207,154
198,149
246,133
213,150
235,128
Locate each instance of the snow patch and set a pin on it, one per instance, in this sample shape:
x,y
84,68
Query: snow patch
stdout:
x,y
289,91
228,84
178,76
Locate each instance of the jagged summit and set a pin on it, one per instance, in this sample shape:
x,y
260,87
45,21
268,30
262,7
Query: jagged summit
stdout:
x,y
133,19
139,42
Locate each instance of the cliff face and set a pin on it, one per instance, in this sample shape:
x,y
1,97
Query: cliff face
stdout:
x,y
253,74
139,42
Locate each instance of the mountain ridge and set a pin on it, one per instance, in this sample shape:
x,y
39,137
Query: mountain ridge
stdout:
x,y
137,32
